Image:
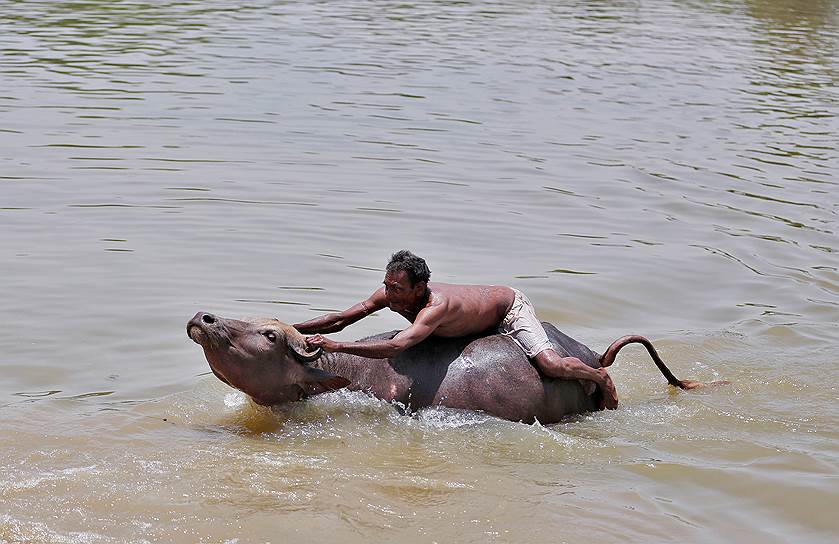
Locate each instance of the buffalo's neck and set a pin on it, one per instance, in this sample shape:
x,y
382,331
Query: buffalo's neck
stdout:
x,y
345,365
376,376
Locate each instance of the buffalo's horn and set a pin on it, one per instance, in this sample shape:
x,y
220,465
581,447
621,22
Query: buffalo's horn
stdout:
x,y
306,357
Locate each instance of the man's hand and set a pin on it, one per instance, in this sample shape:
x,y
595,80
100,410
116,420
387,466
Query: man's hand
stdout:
x,y
320,341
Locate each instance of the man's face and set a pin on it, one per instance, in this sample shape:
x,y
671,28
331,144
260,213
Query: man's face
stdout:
x,y
400,294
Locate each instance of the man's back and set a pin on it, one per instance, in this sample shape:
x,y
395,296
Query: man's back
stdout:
x,y
470,309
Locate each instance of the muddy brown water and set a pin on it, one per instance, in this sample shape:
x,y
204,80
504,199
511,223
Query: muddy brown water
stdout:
x,y
666,168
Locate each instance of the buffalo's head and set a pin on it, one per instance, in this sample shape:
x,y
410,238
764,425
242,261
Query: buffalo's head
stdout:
x,y
265,359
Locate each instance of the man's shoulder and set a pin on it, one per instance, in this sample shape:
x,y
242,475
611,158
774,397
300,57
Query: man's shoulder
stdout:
x,y
456,296
442,293
447,288
461,288
446,297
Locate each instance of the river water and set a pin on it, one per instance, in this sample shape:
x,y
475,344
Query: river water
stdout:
x,y
658,167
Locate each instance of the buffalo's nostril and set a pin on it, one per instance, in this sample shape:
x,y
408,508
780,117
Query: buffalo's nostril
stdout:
x,y
208,319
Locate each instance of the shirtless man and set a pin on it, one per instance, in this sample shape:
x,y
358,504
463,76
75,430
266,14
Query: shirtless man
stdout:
x,y
452,310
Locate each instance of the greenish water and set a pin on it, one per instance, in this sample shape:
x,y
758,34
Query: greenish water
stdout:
x,y
665,168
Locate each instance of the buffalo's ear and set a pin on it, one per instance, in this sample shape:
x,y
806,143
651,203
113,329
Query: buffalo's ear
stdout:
x,y
320,381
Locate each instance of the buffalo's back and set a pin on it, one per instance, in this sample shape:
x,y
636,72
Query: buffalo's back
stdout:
x,y
492,374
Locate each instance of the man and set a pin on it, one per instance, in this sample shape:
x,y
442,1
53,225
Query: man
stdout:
x,y
453,310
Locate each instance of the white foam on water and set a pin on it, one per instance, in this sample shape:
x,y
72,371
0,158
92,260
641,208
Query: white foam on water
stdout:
x,y
14,530
235,399
48,477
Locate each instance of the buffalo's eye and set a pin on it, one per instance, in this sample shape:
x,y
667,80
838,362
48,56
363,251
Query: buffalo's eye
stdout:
x,y
271,336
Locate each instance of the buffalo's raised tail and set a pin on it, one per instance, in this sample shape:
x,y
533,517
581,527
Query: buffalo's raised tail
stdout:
x,y
609,355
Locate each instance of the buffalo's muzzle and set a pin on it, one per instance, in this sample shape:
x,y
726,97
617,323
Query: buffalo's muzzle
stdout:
x,y
198,327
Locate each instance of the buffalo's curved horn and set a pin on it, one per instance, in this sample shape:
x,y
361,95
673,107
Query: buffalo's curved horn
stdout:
x,y
306,357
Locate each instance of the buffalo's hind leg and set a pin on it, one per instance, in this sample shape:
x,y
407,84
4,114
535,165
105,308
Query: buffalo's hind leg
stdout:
x,y
556,366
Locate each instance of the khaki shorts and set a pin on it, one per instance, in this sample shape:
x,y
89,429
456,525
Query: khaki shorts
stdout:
x,y
522,325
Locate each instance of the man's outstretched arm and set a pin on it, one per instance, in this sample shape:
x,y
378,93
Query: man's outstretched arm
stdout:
x,y
425,324
335,322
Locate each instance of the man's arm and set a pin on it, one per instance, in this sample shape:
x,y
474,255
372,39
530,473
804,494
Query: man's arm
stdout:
x,y
426,322
335,322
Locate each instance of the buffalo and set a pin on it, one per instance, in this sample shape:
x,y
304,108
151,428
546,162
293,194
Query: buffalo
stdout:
x,y
269,361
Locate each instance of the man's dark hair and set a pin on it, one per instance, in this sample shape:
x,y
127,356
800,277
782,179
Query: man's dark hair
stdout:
x,y
413,266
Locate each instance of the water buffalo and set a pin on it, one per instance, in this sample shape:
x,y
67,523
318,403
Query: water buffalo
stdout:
x,y
269,361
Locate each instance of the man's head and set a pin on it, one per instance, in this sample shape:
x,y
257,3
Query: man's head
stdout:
x,y
406,280
413,266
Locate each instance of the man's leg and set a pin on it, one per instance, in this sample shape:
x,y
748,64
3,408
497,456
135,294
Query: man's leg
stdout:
x,y
555,366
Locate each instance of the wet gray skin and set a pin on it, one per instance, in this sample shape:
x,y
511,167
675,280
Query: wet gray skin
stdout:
x,y
267,360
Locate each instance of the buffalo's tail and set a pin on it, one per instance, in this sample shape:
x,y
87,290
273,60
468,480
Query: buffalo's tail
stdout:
x,y
609,355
